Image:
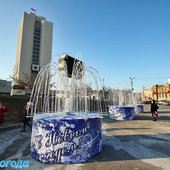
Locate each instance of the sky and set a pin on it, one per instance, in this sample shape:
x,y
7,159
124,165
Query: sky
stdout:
x,y
119,38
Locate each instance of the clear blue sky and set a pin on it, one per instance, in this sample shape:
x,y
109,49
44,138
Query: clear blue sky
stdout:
x,y
120,38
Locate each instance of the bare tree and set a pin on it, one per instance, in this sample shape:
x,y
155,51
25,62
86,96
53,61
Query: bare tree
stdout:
x,y
104,93
25,81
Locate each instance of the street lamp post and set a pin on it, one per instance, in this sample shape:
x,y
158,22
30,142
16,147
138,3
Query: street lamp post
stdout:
x,y
131,79
143,93
157,92
103,83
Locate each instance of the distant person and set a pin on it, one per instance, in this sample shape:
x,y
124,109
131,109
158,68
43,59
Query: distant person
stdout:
x,y
25,120
2,110
154,108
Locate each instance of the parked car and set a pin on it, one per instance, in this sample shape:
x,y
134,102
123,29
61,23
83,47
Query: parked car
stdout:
x,y
163,102
160,102
146,102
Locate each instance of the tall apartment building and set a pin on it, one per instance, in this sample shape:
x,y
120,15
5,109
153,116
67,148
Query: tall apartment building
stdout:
x,y
34,47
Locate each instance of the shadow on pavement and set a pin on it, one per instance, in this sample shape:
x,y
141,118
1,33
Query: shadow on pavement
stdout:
x,y
149,117
133,147
114,129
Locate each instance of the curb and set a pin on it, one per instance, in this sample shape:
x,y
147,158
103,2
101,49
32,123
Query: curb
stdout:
x,y
10,127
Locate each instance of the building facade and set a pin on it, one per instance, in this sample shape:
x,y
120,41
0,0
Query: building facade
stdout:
x,y
5,87
161,92
34,48
146,94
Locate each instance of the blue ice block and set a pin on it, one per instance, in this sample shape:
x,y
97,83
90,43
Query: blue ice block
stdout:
x,y
139,108
66,138
121,112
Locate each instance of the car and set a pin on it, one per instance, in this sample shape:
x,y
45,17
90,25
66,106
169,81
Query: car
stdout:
x,y
146,102
163,102
160,102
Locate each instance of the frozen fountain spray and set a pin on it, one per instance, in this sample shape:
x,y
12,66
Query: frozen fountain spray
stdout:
x,y
65,128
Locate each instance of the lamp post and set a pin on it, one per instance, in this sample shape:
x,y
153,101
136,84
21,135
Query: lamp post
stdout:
x,y
143,92
103,83
157,92
131,79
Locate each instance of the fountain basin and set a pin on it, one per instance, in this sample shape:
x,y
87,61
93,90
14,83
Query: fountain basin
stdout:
x,y
139,108
121,112
66,138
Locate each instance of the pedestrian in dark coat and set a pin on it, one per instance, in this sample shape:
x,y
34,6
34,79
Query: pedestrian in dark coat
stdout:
x,y
25,119
154,108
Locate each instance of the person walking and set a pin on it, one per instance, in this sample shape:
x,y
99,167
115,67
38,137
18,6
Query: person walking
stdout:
x,y
25,120
154,108
2,110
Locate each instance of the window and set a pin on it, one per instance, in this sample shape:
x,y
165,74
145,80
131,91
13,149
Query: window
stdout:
x,y
36,45
36,41
18,87
33,76
35,59
37,38
35,56
35,49
35,62
37,31
35,52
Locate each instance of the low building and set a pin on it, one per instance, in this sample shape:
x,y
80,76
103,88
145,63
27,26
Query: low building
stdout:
x,y
137,98
146,94
94,94
161,92
5,87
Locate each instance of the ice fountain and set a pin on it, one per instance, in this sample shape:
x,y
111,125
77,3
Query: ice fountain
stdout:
x,y
138,107
65,129
124,110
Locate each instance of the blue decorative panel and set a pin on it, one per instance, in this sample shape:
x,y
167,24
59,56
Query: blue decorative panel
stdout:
x,y
121,112
139,108
65,139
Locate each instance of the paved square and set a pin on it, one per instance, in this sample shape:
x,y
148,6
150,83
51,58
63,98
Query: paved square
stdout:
x,y
137,144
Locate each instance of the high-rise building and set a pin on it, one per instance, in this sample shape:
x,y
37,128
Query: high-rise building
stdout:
x,y
34,47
